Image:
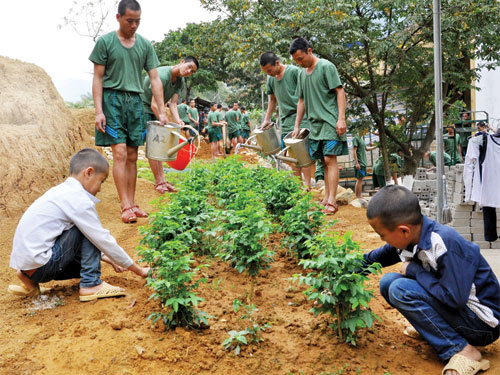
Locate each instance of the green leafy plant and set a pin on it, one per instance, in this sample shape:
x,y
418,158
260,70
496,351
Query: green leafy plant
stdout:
x,y
172,280
235,339
337,284
301,223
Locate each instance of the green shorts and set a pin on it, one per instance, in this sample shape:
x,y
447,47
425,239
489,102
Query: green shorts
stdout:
x,y
245,134
321,148
214,135
360,173
125,121
233,133
378,180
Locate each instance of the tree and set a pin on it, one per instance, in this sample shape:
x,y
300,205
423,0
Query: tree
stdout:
x,y
90,19
383,50
207,44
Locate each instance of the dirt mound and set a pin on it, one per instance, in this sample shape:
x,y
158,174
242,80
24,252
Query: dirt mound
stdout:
x,y
39,135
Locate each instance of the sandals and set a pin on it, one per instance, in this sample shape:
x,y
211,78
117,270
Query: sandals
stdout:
x,y
138,212
410,331
330,209
164,187
128,215
106,291
20,290
466,366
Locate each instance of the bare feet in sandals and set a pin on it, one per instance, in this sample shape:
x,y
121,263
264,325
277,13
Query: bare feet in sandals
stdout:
x,y
164,187
466,362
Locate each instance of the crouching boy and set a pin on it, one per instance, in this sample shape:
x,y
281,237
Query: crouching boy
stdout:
x,y
445,287
60,236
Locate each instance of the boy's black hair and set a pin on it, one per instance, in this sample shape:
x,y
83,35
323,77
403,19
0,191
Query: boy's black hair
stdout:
x,y
481,124
299,44
243,108
88,157
193,59
128,4
395,205
268,58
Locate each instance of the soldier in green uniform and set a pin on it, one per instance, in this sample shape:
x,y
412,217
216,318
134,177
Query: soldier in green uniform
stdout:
x,y
245,124
359,149
281,87
452,145
395,163
233,125
172,79
119,58
322,99
183,110
194,118
431,155
214,122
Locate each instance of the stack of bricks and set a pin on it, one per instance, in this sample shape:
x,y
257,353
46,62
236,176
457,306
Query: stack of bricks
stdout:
x,y
467,216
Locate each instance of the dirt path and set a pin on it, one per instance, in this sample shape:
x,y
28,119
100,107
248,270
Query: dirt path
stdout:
x,y
113,336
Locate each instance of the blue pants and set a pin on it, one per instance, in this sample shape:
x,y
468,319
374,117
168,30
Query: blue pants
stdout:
x,y
446,329
73,257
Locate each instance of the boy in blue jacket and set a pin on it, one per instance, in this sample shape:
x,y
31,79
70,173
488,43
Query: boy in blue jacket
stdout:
x,y
445,287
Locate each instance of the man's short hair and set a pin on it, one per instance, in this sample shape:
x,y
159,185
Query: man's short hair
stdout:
x,y
268,58
212,104
128,4
243,108
193,59
88,157
394,205
219,106
299,44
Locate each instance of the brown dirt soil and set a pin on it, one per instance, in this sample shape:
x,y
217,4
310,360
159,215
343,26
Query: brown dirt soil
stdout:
x,y
112,336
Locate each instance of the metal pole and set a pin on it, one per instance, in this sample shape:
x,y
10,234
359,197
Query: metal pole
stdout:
x,y
263,109
438,95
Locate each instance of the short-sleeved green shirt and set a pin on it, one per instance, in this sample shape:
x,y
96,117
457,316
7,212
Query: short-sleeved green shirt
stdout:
x,y
451,147
233,123
244,121
320,100
360,150
395,161
194,114
123,65
446,156
220,116
183,110
169,88
212,117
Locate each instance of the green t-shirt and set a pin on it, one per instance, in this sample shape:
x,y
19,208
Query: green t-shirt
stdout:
x,y
169,88
194,114
451,147
220,116
285,92
245,118
446,156
123,65
213,116
395,161
360,150
233,121
183,110
320,100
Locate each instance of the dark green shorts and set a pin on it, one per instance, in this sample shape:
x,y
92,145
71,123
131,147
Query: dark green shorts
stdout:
x,y
125,121
378,180
245,134
360,173
320,149
214,135
233,133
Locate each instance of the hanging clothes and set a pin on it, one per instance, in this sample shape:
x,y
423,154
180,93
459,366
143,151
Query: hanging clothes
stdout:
x,y
490,183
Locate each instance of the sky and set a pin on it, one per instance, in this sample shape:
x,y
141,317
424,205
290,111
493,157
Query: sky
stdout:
x,y
30,33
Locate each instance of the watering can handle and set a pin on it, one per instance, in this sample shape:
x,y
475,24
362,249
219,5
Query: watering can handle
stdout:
x,y
249,139
198,138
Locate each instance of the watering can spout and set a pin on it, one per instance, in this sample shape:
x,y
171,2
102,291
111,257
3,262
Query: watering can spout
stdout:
x,y
237,148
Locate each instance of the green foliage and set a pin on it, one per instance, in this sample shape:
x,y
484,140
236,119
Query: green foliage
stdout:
x,y
337,284
86,101
301,223
254,331
383,50
173,283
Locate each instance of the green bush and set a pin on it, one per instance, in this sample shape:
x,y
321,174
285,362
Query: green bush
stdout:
x,y
337,284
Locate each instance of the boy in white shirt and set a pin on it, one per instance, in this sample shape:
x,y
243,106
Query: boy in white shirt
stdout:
x,y
60,235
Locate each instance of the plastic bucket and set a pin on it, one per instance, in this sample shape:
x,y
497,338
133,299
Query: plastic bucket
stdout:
x,y
184,156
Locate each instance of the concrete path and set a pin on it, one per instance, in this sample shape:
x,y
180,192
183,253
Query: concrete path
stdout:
x,y
492,256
